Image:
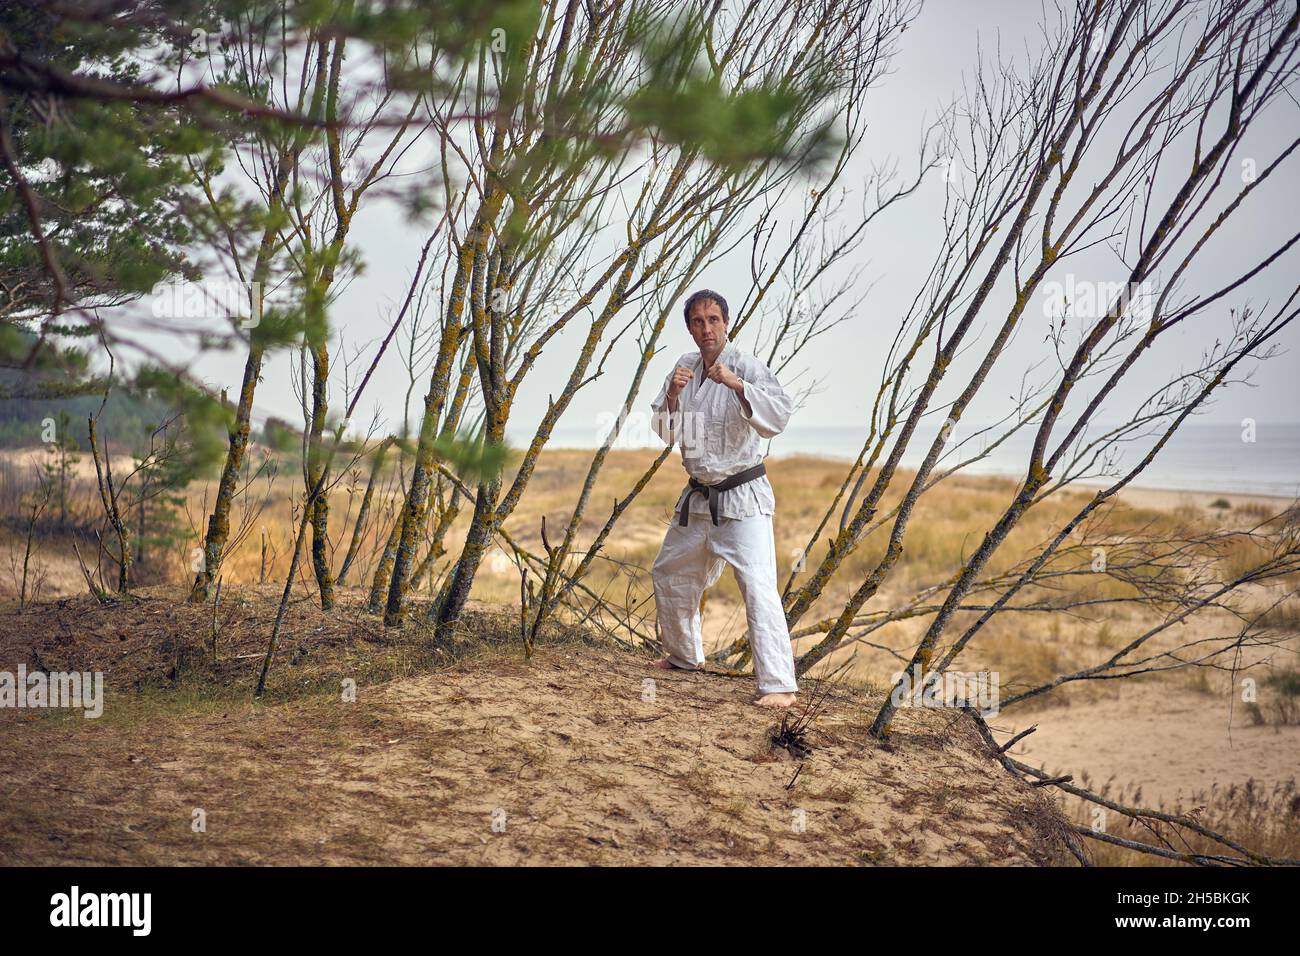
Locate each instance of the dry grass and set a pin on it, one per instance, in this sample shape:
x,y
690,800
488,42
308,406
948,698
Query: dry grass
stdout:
x,y
947,524
1265,819
156,644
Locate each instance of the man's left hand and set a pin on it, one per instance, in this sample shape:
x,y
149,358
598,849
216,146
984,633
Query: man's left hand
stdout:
x,y
724,376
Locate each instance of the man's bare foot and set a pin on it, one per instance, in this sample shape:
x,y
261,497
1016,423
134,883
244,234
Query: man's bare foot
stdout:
x,y
664,664
775,700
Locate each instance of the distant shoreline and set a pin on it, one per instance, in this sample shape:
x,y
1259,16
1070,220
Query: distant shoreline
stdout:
x,y
1160,495
1202,458
1088,483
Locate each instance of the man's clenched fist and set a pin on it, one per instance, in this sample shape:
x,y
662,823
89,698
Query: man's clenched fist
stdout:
x,y
681,375
723,375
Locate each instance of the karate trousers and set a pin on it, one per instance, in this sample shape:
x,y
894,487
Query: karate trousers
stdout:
x,y
691,560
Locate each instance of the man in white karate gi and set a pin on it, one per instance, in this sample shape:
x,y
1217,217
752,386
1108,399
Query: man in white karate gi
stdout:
x,y
716,404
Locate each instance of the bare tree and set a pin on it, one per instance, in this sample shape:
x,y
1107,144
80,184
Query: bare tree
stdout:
x,y
313,188
1123,135
523,251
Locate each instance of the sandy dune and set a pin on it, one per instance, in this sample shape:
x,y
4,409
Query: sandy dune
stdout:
x,y
562,760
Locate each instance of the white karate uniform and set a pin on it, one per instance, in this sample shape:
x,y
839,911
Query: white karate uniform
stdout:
x,y
717,440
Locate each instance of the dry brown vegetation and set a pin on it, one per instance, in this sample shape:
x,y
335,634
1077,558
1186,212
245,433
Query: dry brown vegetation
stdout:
x,y
1269,816
1026,649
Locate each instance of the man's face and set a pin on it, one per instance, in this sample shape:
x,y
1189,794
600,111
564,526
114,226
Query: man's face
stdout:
x,y
707,326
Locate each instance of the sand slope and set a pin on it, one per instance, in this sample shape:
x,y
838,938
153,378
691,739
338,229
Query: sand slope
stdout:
x,y
1172,742
566,759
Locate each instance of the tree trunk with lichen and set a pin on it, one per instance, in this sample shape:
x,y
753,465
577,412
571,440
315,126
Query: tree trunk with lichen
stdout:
x,y
409,523
384,570
451,601
219,520
316,469
417,498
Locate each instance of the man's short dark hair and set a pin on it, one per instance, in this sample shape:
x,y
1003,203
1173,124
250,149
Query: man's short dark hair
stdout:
x,y
706,295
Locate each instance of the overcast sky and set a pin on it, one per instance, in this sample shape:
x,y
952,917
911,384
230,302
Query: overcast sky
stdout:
x,y
934,55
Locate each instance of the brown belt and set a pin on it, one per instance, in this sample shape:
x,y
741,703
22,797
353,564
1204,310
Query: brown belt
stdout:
x,y
711,492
